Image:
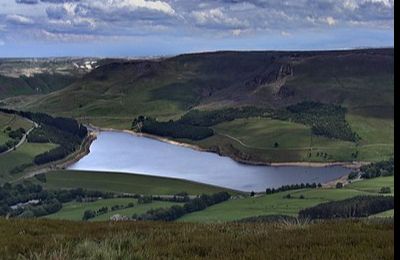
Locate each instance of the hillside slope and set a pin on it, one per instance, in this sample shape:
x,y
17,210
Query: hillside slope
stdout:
x,y
361,80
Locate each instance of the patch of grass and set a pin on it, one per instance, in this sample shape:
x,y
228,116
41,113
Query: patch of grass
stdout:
x,y
137,209
22,155
74,210
373,185
128,183
256,138
273,204
377,136
158,240
12,121
385,214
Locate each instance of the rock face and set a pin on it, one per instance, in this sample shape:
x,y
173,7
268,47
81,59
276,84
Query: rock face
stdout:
x,y
118,217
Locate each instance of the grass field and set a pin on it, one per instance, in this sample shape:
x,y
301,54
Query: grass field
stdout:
x,y
278,204
373,185
274,204
157,240
23,155
137,209
256,138
385,214
128,183
12,121
75,210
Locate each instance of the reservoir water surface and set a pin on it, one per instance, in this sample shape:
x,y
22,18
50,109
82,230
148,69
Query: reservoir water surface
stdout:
x,y
124,152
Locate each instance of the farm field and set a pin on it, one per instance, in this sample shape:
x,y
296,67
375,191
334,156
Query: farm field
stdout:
x,y
22,156
74,210
373,185
257,137
126,183
12,121
279,204
137,209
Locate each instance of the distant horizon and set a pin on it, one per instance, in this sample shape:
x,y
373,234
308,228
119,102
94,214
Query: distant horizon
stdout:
x,y
194,52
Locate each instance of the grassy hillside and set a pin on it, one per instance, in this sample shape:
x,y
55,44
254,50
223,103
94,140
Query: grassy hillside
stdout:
x,y
37,84
359,80
156,240
126,183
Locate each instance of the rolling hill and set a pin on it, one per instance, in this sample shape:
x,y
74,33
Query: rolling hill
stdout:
x,y
361,81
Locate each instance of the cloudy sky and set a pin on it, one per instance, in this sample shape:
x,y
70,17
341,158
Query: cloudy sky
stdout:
x,y
167,27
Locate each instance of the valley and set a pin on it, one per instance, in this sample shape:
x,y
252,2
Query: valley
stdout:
x,y
234,140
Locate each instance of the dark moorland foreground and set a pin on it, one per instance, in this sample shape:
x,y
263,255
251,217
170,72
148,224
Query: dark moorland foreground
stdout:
x,y
43,239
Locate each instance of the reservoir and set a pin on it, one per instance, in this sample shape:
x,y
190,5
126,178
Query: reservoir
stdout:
x,y
124,152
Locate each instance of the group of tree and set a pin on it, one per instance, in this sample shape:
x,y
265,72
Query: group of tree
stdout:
x,y
176,211
373,170
15,136
356,207
293,187
325,119
66,132
15,199
171,128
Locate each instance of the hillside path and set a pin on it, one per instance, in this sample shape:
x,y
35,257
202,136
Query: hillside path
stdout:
x,y
23,139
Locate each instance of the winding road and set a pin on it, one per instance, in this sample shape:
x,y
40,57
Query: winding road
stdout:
x,y
23,139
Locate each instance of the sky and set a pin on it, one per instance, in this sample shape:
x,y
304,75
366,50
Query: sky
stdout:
x,y
137,28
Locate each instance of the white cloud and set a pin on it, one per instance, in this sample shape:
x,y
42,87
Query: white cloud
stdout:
x,y
132,5
217,17
19,19
330,20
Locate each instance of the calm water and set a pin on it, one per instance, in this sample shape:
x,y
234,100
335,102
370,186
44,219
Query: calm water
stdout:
x,y
122,152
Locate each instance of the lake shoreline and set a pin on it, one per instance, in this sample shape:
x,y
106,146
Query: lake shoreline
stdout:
x,y
349,165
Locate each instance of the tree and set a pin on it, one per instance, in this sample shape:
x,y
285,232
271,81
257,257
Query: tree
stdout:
x,y
385,190
353,175
88,214
339,185
252,193
276,145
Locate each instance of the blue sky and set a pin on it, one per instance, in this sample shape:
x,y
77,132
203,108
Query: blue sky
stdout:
x,y
167,27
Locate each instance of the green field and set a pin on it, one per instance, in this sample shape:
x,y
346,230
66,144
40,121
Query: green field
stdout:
x,y
23,155
74,210
127,183
255,138
373,185
385,214
280,205
137,209
12,121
